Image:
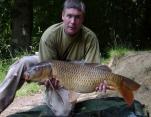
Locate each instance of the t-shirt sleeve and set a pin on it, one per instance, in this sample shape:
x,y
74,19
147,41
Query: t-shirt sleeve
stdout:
x,y
47,49
93,54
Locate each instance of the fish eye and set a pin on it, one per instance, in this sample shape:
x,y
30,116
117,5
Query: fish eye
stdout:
x,y
35,68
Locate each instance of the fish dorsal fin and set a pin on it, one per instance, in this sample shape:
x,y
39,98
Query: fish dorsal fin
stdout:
x,y
97,65
82,62
104,68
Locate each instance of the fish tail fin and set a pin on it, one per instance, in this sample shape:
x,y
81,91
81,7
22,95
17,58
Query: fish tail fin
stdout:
x,y
127,86
131,84
127,94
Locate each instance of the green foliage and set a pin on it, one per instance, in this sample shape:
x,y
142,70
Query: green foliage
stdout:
x,y
5,31
117,51
4,65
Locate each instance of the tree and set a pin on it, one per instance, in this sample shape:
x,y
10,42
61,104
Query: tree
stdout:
x,y
22,16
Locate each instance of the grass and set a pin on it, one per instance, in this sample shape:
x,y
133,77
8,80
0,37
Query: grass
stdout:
x,y
4,65
28,89
118,52
115,52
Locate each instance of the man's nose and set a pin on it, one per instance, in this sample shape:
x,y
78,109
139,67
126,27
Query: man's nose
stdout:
x,y
73,20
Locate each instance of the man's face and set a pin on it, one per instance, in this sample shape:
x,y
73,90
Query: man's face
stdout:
x,y
72,19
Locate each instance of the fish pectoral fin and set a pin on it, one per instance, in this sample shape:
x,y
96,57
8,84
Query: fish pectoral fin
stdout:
x,y
73,96
53,98
55,92
126,93
59,97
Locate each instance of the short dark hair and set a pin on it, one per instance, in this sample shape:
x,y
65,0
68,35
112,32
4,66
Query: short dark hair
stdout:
x,y
77,4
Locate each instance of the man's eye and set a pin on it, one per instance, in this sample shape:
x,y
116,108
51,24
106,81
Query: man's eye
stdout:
x,y
69,16
77,16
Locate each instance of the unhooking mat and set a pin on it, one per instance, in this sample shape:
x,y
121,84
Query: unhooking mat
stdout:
x,y
104,107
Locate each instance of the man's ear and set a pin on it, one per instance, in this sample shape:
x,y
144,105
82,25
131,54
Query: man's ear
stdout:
x,y
62,15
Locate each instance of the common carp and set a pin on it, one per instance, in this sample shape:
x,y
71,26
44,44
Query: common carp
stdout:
x,y
83,78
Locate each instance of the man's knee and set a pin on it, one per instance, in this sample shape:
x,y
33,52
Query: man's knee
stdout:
x,y
29,60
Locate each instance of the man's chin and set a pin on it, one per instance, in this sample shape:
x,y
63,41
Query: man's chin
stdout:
x,y
71,33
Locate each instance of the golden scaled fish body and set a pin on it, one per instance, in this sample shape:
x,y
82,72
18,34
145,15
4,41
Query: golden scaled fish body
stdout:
x,y
83,78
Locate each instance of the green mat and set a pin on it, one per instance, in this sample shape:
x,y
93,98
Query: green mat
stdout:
x,y
106,107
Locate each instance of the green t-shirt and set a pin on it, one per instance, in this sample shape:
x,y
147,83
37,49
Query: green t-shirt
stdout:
x,y
56,44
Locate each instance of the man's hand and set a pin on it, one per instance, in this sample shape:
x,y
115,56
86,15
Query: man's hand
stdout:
x,y
51,82
103,87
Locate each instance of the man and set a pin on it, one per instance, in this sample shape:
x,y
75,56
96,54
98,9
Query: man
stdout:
x,y
68,40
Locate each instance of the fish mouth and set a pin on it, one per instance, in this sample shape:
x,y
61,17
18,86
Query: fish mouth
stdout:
x,y
26,75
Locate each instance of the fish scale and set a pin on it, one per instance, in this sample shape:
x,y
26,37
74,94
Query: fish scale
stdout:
x,y
83,78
